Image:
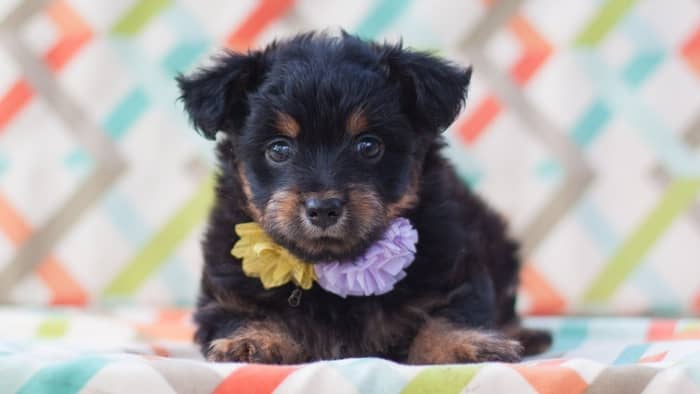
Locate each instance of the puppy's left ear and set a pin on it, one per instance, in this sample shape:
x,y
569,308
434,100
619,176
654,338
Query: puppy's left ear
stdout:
x,y
433,90
216,97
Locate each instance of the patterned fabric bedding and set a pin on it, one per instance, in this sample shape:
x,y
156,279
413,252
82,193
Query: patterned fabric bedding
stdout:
x,y
148,351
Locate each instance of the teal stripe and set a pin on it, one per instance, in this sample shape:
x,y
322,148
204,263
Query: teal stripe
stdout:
x,y
126,113
380,17
631,354
549,171
570,335
67,377
638,32
4,163
15,371
192,41
175,272
125,218
78,160
596,227
675,155
692,364
660,296
591,123
158,87
641,67
663,299
183,56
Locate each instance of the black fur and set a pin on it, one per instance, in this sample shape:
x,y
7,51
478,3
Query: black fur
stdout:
x,y
465,271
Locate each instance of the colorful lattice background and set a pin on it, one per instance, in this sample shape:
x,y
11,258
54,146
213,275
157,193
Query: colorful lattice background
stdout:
x,y
582,126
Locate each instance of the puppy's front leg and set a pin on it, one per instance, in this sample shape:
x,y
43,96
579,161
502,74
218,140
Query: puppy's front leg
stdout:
x,y
264,342
442,342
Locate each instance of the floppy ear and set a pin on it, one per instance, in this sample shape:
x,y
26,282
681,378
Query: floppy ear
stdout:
x,y
216,97
432,90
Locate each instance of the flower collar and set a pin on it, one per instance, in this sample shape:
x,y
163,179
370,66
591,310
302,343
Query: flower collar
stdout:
x,y
373,273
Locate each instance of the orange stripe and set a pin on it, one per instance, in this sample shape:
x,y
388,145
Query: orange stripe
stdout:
x,y
173,315
265,13
254,379
526,35
661,329
64,289
476,123
67,21
687,334
691,50
654,357
552,379
74,33
12,224
535,49
545,300
160,350
14,100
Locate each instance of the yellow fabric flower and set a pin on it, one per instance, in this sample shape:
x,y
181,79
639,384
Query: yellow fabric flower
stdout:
x,y
263,258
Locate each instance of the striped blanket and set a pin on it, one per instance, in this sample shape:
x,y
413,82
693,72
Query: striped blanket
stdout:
x,y
149,351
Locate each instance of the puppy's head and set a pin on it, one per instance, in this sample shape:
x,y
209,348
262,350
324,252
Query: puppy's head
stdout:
x,y
325,135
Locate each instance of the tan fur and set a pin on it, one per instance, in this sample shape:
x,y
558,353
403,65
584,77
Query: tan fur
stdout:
x,y
441,342
281,209
259,341
287,125
252,210
409,199
366,207
357,122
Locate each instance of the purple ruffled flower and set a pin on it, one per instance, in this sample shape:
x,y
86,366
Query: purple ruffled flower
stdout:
x,y
378,269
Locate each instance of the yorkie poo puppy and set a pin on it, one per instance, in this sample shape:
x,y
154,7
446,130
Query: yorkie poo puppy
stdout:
x,y
339,230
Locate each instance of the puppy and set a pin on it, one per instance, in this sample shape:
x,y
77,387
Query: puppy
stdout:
x,y
324,142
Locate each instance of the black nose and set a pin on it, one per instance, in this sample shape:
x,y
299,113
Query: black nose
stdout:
x,y
323,213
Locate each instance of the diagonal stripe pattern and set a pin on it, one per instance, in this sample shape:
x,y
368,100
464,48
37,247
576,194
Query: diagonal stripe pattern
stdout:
x,y
583,132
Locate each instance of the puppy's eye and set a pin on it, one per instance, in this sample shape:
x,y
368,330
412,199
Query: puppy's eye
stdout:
x,y
278,151
369,147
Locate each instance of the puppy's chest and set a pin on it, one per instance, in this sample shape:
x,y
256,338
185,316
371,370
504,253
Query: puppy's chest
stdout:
x,y
359,329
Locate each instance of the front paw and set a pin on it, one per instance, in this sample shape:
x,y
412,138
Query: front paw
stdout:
x,y
256,344
484,347
439,342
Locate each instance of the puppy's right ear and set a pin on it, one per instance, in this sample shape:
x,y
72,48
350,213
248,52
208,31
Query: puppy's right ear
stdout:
x,y
216,97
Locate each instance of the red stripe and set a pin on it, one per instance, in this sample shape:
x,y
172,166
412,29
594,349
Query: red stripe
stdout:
x,y
64,289
63,51
14,100
12,224
535,49
254,379
475,123
526,66
265,13
691,50
661,329
544,299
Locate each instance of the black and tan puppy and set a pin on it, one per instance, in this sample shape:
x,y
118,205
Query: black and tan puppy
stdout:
x,y
326,140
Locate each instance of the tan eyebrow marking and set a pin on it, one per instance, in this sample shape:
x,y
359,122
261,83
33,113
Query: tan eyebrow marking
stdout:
x,y
287,125
357,122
